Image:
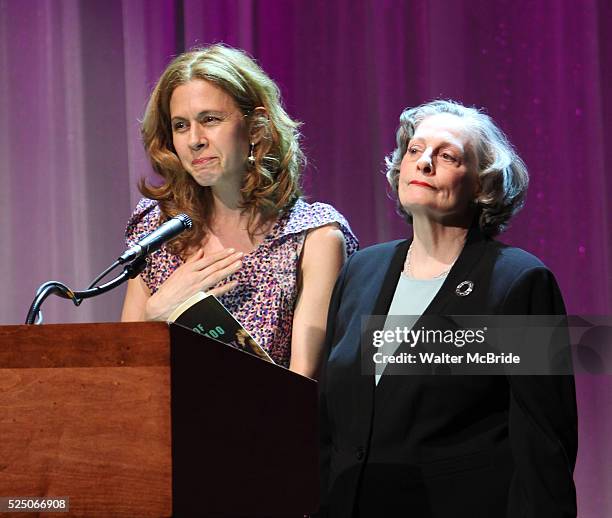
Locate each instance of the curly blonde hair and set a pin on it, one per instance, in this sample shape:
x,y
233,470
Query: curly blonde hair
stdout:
x,y
503,175
270,185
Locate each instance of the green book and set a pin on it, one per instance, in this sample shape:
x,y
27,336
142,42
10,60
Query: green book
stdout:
x,y
204,314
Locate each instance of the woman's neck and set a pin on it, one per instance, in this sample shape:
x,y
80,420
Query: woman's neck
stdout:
x,y
229,227
435,248
227,198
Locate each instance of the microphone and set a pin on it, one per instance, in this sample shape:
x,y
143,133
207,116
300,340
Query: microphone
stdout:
x,y
153,241
136,254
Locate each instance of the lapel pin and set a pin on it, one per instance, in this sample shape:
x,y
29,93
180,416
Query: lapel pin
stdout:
x,y
464,288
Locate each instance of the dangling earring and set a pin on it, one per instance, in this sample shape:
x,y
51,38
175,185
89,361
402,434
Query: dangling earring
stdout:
x,y
251,157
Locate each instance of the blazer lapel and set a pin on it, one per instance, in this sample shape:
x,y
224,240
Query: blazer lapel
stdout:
x,y
366,385
460,272
387,290
446,297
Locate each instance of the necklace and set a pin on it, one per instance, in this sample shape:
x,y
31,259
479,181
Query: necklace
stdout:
x,y
408,271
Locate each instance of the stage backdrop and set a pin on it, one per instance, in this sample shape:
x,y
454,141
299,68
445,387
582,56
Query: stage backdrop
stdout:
x,y
75,75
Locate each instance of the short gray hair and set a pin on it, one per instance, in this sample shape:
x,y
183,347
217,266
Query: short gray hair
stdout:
x,y
503,175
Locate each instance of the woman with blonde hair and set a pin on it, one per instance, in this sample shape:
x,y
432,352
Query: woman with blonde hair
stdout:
x,y
229,156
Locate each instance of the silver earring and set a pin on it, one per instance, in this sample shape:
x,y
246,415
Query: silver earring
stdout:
x,y
251,157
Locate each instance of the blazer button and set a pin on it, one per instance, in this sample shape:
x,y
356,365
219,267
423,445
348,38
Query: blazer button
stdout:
x,y
359,453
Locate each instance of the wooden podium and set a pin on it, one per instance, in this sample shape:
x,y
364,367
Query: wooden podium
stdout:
x,y
146,419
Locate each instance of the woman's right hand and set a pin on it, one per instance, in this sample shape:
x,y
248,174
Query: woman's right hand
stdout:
x,y
198,273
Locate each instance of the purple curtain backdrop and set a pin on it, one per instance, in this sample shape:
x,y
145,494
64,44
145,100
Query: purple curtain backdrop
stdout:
x,y
75,75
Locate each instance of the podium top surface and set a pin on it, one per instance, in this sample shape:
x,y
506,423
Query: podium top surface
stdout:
x,y
85,345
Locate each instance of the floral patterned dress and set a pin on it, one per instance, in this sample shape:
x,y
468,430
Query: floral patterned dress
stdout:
x,y
264,300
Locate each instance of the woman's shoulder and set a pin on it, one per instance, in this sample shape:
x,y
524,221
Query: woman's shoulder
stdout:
x,y
368,263
145,218
380,250
524,284
304,216
377,256
515,260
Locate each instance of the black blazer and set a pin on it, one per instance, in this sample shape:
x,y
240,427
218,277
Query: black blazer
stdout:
x,y
441,446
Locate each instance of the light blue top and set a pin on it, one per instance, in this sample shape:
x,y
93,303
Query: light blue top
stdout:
x,y
410,300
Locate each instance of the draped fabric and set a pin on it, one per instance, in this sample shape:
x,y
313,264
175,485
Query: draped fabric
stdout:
x,y
75,75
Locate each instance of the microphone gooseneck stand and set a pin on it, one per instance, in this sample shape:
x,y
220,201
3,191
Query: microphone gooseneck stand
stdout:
x,y
134,259
130,271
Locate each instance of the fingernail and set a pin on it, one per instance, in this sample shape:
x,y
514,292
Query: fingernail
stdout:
x,y
238,263
239,254
231,250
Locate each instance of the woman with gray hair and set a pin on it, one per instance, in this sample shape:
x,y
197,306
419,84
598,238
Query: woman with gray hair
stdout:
x,y
439,446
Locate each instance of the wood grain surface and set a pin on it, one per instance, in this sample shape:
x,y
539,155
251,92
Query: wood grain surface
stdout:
x,y
85,413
